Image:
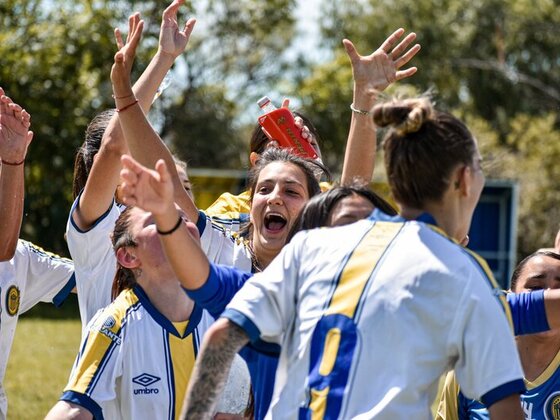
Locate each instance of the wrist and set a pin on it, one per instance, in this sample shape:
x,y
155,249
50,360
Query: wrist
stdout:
x,y
365,99
12,161
165,57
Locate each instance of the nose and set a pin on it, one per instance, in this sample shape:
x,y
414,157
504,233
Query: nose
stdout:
x,y
275,196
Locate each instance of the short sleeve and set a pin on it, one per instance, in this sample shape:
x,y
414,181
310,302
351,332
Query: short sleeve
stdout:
x,y
50,278
266,305
528,312
93,380
222,284
488,366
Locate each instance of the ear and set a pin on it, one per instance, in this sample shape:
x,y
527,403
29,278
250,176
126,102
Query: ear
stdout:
x,y
126,258
253,158
463,180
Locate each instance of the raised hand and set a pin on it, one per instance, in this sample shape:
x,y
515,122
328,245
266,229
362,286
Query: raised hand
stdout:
x,y
151,190
172,41
375,72
124,58
14,131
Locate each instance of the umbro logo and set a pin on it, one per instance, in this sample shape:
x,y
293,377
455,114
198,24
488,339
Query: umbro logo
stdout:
x,y
145,380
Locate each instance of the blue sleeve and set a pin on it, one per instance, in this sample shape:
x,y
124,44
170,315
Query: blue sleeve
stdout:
x,y
201,222
503,391
83,401
528,312
61,296
222,284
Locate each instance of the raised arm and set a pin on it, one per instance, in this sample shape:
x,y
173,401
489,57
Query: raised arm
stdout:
x,y
14,140
372,74
143,141
153,191
104,176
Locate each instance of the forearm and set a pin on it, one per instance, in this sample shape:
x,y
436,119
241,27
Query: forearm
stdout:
x,y
507,409
64,410
221,343
11,209
184,254
359,156
147,85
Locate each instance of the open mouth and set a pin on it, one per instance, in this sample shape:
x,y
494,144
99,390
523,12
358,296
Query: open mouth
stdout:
x,y
274,222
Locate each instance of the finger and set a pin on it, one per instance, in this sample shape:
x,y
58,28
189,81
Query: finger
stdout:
x,y
129,176
16,110
130,163
305,133
189,26
408,56
2,92
403,74
118,38
285,103
273,143
136,37
391,40
161,169
299,122
29,137
171,11
351,50
403,45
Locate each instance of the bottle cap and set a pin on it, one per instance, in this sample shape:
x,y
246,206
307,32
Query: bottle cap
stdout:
x,y
263,101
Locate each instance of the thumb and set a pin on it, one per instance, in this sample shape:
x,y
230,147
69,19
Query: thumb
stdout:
x,y
285,103
350,50
29,137
161,168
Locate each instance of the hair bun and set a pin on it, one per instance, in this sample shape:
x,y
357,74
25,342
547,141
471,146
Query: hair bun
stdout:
x,y
405,116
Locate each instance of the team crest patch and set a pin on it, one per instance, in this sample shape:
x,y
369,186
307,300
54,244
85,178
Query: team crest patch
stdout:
x,y
12,300
552,407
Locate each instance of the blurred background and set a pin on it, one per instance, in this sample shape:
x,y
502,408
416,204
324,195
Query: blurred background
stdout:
x,y
493,63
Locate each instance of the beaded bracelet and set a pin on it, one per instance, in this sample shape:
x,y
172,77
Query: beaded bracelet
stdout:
x,y
173,229
360,111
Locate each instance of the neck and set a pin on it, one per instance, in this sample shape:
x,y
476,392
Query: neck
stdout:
x,y
537,351
168,297
445,216
261,257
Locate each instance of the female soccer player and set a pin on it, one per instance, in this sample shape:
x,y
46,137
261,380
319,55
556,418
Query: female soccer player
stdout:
x,y
540,353
370,315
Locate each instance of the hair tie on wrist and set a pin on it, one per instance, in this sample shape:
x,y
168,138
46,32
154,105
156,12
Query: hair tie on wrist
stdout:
x,y
360,111
5,162
128,106
173,229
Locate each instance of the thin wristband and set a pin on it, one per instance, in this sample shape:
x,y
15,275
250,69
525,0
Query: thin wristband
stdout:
x,y
5,162
128,106
173,229
360,111
123,97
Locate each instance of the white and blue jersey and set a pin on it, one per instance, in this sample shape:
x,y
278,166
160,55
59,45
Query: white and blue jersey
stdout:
x,y
94,260
31,276
133,362
541,401
370,315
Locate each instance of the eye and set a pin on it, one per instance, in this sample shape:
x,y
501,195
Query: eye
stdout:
x,y
263,189
293,192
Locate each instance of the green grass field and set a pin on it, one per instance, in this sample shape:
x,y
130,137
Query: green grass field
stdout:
x,y
40,361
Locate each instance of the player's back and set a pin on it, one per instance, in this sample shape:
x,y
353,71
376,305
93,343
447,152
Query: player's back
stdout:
x,y
375,332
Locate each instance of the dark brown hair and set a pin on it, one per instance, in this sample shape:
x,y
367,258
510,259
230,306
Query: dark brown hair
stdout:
x,y
84,157
517,272
122,237
317,210
259,139
422,147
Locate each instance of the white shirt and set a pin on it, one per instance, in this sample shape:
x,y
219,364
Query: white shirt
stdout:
x,y
94,261
133,362
369,316
31,276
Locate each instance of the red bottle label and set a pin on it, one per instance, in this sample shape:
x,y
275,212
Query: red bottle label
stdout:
x,y
281,127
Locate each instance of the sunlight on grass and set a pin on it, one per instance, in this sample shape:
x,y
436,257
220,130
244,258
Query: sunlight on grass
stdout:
x,y
39,365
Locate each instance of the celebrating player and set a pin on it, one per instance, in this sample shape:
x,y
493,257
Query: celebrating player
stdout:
x,y
354,308
28,274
